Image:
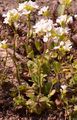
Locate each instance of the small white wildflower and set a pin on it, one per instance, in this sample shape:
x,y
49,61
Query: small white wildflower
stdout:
x,y
61,43
56,47
32,4
43,10
75,16
48,34
69,19
61,30
46,37
25,12
61,19
11,16
63,87
55,39
27,7
22,6
68,45
43,25
64,19
3,43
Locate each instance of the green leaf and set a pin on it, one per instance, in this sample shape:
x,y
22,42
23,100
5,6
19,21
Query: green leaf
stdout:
x,y
61,9
54,81
35,78
75,78
47,88
38,45
45,102
29,50
52,93
46,68
56,66
43,99
75,65
32,106
30,64
19,100
22,88
75,108
30,93
14,92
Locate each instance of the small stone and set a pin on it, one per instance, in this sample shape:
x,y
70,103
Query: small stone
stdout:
x,y
74,39
58,102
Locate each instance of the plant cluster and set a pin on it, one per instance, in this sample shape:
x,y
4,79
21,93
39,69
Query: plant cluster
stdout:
x,y
49,71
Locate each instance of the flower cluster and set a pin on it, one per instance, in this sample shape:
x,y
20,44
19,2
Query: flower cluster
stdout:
x,y
64,19
54,31
43,10
47,36
60,31
45,27
67,45
27,7
11,17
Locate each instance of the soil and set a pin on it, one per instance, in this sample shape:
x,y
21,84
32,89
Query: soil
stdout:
x,y
7,111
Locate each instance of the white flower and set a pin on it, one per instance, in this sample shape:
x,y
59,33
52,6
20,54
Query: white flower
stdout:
x,y
43,25
75,16
11,16
68,45
32,4
64,19
56,47
69,19
61,19
48,34
61,30
27,7
63,87
61,43
2,43
46,37
55,39
43,10
25,12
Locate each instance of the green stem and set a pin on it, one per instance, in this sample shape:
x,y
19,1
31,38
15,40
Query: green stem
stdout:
x,y
17,71
29,26
39,75
15,62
